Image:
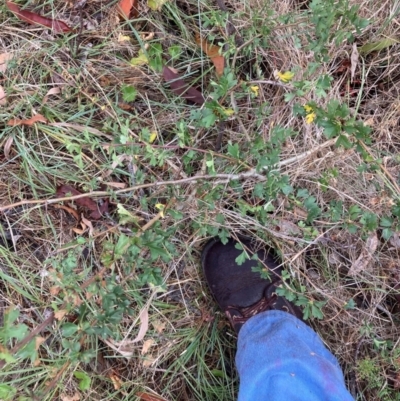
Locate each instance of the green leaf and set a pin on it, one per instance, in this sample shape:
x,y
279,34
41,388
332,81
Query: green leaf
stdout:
x,y
7,357
387,233
175,51
331,128
156,5
7,392
19,331
141,59
69,329
343,140
29,351
84,380
350,304
378,45
129,93
233,150
122,245
316,311
125,216
241,258
386,221
155,52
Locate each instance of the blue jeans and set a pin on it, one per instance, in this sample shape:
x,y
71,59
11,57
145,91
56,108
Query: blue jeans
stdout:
x,y
279,358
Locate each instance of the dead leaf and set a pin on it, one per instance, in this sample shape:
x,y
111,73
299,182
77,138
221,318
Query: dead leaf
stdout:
x,y
7,147
80,231
149,397
213,52
36,19
52,91
3,99
116,381
159,326
181,88
4,59
68,209
86,202
144,324
128,9
377,46
354,61
88,224
59,315
147,345
395,240
365,256
148,360
118,185
55,290
75,397
125,347
38,342
29,122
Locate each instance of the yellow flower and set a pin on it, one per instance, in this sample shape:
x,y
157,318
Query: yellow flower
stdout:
x,y
123,38
285,76
229,112
255,90
153,136
161,208
310,117
308,108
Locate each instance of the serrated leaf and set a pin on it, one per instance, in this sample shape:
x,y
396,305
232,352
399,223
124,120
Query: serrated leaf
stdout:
x,y
129,93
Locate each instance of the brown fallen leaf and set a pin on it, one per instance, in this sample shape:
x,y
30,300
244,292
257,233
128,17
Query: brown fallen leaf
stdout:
x,y
86,202
29,122
365,256
52,91
159,326
147,345
354,61
181,88
75,397
4,59
149,397
88,224
3,99
116,381
125,347
59,315
69,210
212,51
36,19
128,9
148,360
7,147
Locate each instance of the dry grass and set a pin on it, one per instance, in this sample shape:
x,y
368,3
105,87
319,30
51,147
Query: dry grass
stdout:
x,y
191,348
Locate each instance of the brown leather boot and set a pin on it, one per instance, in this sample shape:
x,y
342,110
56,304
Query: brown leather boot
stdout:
x,y
240,292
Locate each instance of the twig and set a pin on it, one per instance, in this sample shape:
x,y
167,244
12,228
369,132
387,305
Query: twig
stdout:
x,y
220,179
275,83
225,178
304,155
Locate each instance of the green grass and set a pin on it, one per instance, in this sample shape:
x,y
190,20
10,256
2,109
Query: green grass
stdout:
x,y
274,177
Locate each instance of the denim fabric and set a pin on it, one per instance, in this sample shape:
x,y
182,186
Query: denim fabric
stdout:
x,y
280,358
